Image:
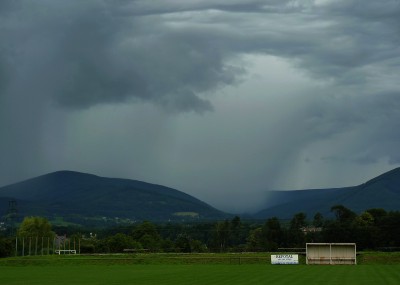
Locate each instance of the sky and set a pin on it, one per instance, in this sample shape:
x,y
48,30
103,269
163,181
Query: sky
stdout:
x,y
223,100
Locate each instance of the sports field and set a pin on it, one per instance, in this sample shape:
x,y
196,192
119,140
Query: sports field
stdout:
x,y
105,272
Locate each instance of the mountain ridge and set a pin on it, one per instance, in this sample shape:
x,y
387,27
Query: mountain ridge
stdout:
x,y
382,191
70,193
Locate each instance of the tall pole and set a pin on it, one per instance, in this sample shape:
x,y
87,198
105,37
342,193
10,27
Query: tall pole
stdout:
x,y
36,244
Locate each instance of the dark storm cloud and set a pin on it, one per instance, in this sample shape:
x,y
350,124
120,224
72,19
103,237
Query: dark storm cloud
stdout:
x,y
360,33
86,53
79,54
171,52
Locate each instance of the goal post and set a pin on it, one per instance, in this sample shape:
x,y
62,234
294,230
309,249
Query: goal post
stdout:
x,y
64,251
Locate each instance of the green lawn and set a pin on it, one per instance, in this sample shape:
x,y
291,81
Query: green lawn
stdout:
x,y
201,269
201,274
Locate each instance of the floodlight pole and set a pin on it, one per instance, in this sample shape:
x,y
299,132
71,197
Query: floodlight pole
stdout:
x,y
23,246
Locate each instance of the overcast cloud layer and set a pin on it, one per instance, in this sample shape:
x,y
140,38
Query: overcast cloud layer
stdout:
x,y
220,99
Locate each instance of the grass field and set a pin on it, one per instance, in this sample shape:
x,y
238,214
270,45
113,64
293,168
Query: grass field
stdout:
x,y
190,269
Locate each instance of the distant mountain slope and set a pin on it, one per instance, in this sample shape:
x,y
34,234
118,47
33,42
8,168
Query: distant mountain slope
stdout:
x,y
380,192
71,194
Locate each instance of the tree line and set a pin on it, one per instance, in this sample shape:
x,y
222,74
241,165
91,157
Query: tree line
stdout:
x,y
374,229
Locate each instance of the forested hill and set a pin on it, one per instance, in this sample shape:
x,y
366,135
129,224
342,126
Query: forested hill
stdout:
x,y
78,196
380,192
89,199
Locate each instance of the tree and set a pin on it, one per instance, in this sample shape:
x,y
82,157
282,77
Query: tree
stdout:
x,y
237,232
298,221
35,227
364,220
391,229
296,235
274,234
120,241
343,214
364,231
147,234
378,214
183,243
6,247
197,246
255,239
341,229
222,235
318,220
145,228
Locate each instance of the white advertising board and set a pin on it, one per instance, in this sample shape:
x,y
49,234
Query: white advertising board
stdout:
x,y
285,259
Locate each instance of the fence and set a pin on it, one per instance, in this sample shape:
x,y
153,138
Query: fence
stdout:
x,y
29,246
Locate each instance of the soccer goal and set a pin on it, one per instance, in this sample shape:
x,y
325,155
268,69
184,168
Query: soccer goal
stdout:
x,y
64,251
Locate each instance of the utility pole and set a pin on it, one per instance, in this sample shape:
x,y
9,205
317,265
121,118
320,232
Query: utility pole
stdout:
x,y
11,216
